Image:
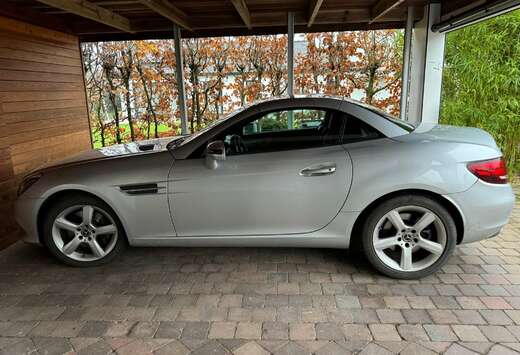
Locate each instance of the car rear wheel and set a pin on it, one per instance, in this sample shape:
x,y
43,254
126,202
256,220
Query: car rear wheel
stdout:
x,y
409,237
82,231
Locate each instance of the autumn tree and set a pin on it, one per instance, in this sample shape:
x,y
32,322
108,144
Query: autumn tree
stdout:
x,y
377,68
126,69
108,62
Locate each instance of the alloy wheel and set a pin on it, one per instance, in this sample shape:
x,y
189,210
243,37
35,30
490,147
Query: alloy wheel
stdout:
x,y
84,233
409,238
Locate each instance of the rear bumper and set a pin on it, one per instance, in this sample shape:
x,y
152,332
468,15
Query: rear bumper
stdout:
x,y
485,208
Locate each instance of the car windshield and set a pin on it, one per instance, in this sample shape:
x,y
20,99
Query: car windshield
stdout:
x,y
181,141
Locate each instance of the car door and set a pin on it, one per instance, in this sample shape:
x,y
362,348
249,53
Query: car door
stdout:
x,y
289,182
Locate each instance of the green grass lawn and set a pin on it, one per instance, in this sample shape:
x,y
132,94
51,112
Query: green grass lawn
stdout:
x,y
110,140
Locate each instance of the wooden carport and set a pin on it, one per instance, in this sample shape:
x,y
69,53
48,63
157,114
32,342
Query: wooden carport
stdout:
x,y
43,111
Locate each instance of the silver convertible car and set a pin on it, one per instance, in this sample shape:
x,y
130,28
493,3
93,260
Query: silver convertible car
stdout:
x,y
290,172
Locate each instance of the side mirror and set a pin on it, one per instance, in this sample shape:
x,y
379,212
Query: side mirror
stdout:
x,y
215,151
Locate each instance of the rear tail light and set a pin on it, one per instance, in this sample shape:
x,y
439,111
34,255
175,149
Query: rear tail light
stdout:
x,y
493,171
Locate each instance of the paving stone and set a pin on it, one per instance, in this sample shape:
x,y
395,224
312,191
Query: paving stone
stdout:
x,y
479,347
456,349
411,332
169,330
195,330
469,317
94,329
470,303
101,347
470,333
440,332
356,332
21,346
222,330
496,317
211,347
445,302
144,329
416,316
390,316
302,331
329,331
346,301
275,331
497,334
173,348
251,348
416,349
501,350
384,332
51,346
364,316
420,302
291,348
374,349
495,303
248,330
18,329
442,316
332,348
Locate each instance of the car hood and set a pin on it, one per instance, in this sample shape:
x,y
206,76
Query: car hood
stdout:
x,y
113,151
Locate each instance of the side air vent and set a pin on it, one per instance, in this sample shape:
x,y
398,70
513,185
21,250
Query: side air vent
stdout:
x,y
140,189
146,147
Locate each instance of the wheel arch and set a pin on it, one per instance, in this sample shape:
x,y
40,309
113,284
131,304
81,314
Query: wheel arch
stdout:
x,y
454,211
56,196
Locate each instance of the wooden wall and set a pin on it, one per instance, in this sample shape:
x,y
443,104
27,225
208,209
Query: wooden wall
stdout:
x,y
43,112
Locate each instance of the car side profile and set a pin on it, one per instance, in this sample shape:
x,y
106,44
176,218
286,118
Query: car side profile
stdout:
x,y
290,172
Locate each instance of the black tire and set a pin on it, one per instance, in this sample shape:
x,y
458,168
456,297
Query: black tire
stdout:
x,y
408,200
73,200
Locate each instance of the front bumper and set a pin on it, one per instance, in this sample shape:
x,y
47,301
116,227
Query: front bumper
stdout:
x,y
26,214
485,208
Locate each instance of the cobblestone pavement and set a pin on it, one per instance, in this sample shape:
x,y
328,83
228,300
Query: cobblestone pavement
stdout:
x,y
260,301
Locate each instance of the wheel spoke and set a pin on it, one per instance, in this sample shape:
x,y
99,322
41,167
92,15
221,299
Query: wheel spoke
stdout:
x,y
406,258
88,213
96,248
385,243
109,229
64,224
395,218
71,246
427,219
432,247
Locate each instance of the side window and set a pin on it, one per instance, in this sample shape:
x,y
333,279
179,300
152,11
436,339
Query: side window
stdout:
x,y
281,130
286,120
357,130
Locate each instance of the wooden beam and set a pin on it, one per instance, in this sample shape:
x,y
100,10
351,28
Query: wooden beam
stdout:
x,y
243,11
313,11
91,11
382,7
166,9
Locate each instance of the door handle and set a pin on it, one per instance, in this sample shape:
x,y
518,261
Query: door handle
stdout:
x,y
319,169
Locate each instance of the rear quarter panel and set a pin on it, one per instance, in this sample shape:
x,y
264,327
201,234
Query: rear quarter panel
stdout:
x,y
386,165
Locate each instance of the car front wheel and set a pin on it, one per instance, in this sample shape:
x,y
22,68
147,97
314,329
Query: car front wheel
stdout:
x,y
82,231
409,237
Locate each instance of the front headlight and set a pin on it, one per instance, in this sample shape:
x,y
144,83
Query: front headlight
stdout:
x,y
28,181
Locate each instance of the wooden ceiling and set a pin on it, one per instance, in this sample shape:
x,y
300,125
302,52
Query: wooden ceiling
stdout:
x,y
94,20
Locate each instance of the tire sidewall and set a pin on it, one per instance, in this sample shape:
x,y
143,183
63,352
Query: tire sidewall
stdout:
x,y
420,201
65,203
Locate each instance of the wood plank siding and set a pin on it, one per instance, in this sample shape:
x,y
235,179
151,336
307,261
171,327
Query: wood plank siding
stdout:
x,y
43,112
